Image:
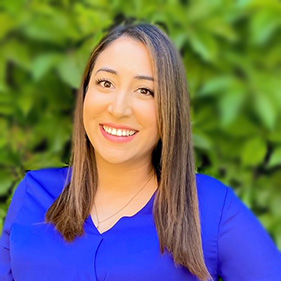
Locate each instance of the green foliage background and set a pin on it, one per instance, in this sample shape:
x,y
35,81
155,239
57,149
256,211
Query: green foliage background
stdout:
x,y
231,50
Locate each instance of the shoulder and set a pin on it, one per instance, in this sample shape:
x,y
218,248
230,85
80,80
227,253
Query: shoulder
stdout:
x,y
211,192
33,196
217,198
40,188
214,198
49,180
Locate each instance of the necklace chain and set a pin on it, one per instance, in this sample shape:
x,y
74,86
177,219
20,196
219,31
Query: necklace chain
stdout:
x,y
102,221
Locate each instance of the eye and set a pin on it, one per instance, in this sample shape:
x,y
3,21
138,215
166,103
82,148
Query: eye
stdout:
x,y
146,92
104,83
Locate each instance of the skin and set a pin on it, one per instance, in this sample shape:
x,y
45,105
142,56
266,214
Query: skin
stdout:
x,y
120,92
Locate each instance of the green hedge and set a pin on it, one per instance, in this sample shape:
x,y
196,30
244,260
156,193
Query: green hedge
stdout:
x,y
231,50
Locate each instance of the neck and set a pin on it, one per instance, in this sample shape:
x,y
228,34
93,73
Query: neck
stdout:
x,y
123,180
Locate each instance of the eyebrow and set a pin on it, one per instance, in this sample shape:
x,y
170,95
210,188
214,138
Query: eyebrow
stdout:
x,y
140,77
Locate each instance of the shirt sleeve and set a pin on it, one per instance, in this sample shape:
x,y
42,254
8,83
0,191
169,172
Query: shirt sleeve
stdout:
x,y
246,252
15,206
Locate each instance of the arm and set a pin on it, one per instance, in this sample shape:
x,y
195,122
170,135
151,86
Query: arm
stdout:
x,y
5,263
245,250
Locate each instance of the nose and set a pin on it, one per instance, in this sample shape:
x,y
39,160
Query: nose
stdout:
x,y
120,105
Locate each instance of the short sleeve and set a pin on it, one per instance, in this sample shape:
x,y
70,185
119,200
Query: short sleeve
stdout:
x,y
15,206
246,252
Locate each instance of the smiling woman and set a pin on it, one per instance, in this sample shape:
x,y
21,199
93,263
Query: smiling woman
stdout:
x,y
119,108
130,206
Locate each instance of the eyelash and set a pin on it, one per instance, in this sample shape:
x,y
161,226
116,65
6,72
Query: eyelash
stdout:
x,y
99,81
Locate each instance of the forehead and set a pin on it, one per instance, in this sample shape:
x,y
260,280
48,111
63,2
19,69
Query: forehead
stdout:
x,y
126,52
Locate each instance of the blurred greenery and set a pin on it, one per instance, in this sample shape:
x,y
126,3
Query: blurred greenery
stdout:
x,y
231,50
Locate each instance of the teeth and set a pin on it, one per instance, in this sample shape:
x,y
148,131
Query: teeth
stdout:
x,y
119,132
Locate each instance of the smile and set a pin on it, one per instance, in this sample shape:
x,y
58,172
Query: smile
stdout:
x,y
118,132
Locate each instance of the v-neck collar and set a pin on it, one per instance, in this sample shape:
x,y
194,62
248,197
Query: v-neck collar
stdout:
x,y
90,226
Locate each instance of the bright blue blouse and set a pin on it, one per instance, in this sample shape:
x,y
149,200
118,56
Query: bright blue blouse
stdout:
x,y
236,246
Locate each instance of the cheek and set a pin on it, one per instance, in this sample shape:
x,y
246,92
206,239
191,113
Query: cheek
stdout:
x,y
93,106
150,118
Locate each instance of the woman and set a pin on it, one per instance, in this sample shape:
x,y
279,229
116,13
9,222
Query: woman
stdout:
x,y
129,209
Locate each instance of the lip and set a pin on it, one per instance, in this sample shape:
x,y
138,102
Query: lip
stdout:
x,y
117,139
117,126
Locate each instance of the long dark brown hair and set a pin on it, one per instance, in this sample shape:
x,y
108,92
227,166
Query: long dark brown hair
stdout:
x,y
175,209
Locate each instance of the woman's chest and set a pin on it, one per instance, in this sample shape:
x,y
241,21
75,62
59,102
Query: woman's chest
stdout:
x,y
129,251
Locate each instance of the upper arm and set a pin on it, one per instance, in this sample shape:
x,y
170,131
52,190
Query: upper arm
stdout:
x,y
15,206
245,250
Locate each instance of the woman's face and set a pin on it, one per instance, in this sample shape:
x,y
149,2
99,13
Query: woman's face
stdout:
x,y
119,110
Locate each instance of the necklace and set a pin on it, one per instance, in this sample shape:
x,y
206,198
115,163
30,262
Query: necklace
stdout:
x,y
102,221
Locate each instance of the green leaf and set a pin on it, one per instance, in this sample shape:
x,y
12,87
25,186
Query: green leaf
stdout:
x,y
263,25
50,24
7,23
275,158
3,84
13,7
265,110
204,44
18,53
219,26
179,40
275,136
43,160
201,141
253,152
6,104
70,70
9,158
6,181
230,105
25,100
216,85
4,131
44,63
242,127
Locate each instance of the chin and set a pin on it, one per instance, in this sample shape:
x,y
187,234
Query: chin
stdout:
x,y
118,158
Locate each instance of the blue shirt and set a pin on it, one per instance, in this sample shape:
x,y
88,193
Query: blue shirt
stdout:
x,y
236,246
